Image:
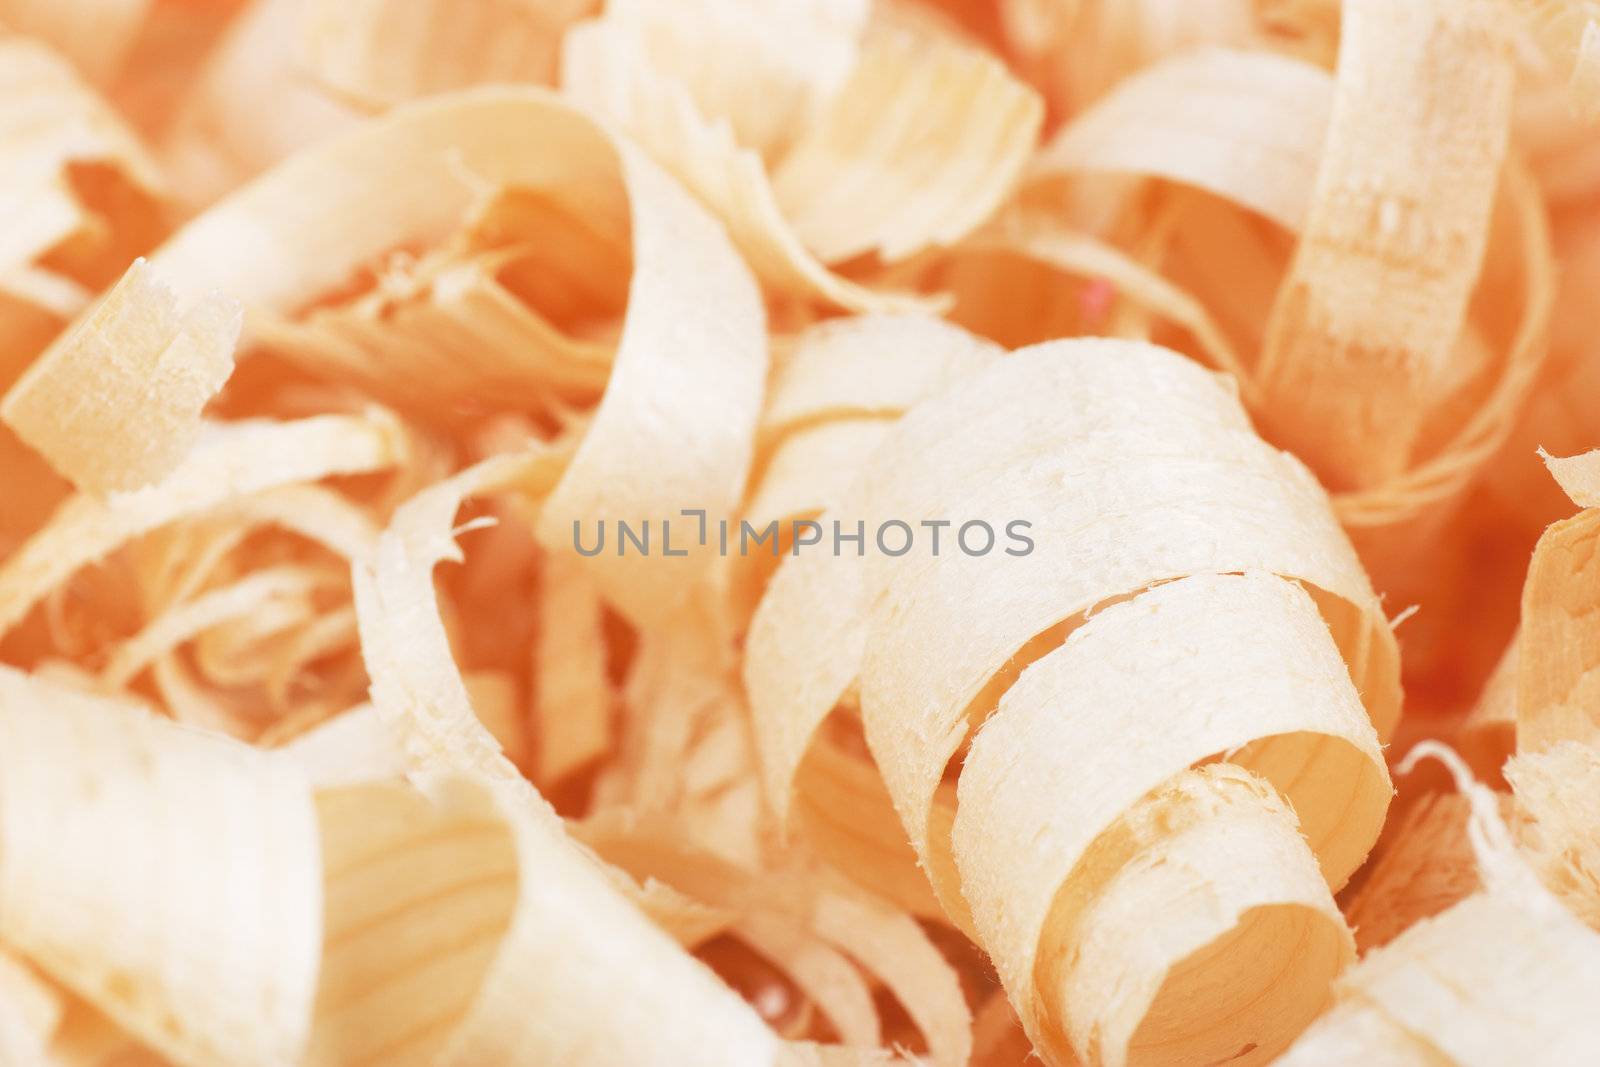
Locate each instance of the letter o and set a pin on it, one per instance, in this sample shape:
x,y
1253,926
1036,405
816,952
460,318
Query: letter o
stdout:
x,y
885,548
961,536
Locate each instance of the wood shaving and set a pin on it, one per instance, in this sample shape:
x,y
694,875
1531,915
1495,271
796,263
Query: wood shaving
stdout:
x,y
799,533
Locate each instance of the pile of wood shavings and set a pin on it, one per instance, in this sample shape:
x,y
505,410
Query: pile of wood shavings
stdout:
x,y
1259,332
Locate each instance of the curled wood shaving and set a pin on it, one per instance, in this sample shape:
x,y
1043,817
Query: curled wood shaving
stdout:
x,y
483,890
224,468
1555,789
96,34
381,53
1568,34
115,403
698,456
213,968
51,123
1559,646
1431,80
792,208
327,740
1426,868
925,683
1496,976
1246,125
